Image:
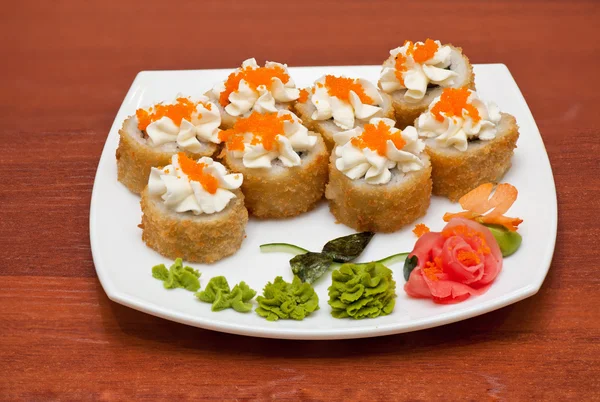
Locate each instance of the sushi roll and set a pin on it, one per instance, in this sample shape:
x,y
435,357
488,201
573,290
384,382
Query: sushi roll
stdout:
x,y
153,135
336,104
468,140
284,165
193,210
251,88
379,177
416,73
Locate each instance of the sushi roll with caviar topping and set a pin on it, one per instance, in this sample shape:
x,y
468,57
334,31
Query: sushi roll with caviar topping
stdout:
x,y
336,104
416,73
468,140
153,135
252,88
379,177
193,210
284,165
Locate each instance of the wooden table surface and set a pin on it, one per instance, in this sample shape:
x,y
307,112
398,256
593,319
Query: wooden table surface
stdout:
x,y
66,66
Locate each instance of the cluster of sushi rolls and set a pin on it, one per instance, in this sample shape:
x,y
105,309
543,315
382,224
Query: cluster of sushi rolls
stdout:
x,y
335,104
416,73
283,163
379,177
468,141
252,88
193,210
154,134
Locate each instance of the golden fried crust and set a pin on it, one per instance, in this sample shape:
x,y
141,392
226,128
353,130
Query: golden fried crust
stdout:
x,y
406,112
379,208
455,173
135,159
201,238
281,192
327,129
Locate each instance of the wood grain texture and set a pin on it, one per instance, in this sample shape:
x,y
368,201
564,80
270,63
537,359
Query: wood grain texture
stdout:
x,y
66,66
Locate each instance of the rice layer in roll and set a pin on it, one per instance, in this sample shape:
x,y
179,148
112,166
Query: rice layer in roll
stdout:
x,y
252,88
379,177
336,104
193,210
416,73
153,135
284,165
468,140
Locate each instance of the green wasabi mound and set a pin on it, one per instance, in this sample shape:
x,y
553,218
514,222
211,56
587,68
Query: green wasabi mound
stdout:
x,y
284,300
177,276
218,293
362,291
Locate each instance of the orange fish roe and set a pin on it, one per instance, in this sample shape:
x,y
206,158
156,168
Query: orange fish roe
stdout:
x,y
400,67
255,77
420,229
467,232
425,51
432,269
340,87
303,96
468,258
263,127
178,111
420,54
452,103
195,171
375,137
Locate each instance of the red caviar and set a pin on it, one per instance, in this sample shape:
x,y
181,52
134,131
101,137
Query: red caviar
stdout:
x,y
420,229
432,269
340,87
263,127
195,171
303,96
375,137
452,103
255,77
182,109
466,232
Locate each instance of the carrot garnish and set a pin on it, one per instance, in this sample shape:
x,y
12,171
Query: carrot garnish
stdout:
x,y
478,206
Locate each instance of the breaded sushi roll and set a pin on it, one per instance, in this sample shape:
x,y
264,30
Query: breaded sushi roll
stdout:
x,y
153,135
468,140
379,177
284,165
193,210
252,88
416,73
336,104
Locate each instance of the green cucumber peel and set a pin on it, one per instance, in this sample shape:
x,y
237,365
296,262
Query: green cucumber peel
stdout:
x,y
282,248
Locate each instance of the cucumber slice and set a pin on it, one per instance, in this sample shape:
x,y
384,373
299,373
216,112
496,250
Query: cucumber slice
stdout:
x,y
282,248
393,259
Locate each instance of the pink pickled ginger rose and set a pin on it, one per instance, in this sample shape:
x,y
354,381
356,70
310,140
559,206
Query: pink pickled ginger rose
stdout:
x,y
462,260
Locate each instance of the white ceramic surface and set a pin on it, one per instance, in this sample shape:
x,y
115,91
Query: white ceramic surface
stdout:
x,y
123,262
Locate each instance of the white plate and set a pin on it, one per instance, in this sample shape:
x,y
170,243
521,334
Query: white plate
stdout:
x,y
123,262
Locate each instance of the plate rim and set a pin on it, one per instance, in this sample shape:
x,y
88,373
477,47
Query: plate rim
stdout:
x,y
318,334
